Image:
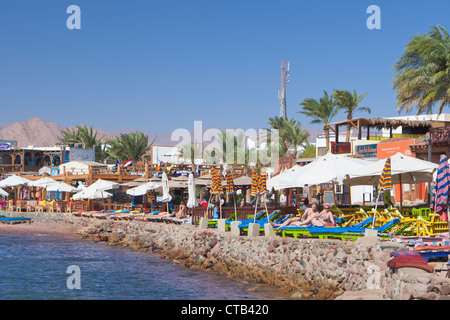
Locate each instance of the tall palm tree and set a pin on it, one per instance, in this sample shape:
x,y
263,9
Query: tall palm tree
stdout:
x,y
322,111
291,135
349,102
130,146
423,72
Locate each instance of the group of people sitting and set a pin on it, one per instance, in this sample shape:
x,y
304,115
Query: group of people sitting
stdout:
x,y
311,216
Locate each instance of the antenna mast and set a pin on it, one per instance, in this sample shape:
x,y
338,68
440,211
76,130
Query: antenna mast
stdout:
x,y
282,92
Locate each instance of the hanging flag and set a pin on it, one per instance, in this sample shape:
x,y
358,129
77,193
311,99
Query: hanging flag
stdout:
x,y
117,164
440,199
385,182
127,163
216,183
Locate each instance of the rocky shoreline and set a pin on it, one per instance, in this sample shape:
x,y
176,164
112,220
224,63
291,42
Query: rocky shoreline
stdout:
x,y
304,268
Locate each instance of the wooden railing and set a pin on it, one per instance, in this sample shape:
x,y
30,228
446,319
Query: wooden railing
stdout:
x,y
440,134
243,212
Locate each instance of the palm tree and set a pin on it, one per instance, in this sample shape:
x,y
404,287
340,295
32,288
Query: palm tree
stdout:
x,y
350,103
423,72
322,111
189,151
291,135
130,146
309,151
86,136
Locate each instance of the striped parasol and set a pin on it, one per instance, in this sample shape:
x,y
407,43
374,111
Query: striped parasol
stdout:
x,y
255,183
216,183
262,183
230,188
441,189
384,183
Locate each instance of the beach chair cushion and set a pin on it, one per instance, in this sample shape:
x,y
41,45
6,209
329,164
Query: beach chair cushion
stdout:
x,y
404,253
408,261
432,248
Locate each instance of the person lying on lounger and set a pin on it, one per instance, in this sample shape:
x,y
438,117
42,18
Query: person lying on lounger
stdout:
x,y
325,218
305,220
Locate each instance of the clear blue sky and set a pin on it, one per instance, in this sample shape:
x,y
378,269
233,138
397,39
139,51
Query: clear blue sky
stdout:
x,y
159,65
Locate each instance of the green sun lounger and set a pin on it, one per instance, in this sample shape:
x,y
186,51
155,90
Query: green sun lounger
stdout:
x,y
212,223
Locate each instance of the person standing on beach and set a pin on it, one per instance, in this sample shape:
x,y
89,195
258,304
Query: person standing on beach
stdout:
x,y
283,198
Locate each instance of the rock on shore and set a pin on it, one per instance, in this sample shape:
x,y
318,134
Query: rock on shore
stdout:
x,y
305,268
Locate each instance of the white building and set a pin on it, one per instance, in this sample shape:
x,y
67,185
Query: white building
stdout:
x,y
80,167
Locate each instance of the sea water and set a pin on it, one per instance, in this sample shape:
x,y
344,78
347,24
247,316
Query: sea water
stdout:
x,y
35,266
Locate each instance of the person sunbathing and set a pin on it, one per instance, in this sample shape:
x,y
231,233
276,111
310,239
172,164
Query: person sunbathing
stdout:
x,y
306,219
181,212
325,218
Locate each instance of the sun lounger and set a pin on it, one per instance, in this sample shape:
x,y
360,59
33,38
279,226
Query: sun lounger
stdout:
x,y
262,221
352,233
177,220
259,216
305,230
13,220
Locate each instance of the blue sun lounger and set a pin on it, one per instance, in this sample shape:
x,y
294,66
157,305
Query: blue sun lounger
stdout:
x,y
352,233
12,220
261,222
306,230
259,216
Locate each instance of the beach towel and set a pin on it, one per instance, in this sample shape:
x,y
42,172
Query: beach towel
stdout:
x,y
410,262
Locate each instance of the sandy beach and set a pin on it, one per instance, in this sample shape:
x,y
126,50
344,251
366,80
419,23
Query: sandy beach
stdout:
x,y
40,227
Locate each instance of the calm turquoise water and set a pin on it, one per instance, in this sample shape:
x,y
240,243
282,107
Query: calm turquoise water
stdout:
x,y
35,267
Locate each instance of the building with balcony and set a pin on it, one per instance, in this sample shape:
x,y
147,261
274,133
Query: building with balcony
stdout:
x,y
31,159
367,133
379,138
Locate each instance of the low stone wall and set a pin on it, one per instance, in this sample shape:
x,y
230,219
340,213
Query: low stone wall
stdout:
x,y
307,268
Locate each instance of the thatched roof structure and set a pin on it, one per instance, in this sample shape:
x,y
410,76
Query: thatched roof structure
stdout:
x,y
381,123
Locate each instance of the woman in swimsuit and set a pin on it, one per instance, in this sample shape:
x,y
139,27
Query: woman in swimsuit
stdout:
x,y
306,219
325,217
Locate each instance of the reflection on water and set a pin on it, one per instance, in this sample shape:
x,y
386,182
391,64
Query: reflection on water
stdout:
x,y
35,267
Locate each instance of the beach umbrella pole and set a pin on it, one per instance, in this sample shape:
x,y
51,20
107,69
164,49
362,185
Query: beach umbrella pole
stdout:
x,y
375,212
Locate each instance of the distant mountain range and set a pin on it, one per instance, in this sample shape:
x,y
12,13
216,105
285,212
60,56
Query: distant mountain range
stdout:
x,y
39,133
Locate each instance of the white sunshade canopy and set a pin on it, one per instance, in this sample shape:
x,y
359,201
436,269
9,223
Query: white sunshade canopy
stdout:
x,y
13,181
142,189
192,200
91,194
409,169
285,179
102,185
166,197
3,193
62,187
326,169
43,182
97,190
